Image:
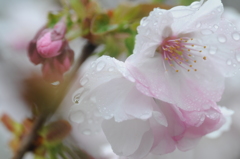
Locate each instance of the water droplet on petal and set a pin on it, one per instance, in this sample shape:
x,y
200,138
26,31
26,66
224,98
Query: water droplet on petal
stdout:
x,y
86,132
235,36
107,117
238,56
78,95
77,117
195,5
145,116
147,32
229,62
219,9
84,81
100,66
198,25
234,65
222,38
206,32
144,21
212,50
216,26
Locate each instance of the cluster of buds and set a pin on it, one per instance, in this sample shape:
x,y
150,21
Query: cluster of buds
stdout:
x,y
50,48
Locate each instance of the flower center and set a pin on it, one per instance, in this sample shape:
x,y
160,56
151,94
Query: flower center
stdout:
x,y
181,52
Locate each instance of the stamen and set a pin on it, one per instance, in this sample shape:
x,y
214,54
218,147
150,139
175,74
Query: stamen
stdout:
x,y
180,52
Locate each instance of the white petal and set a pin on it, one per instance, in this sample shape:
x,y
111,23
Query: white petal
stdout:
x,y
227,113
125,137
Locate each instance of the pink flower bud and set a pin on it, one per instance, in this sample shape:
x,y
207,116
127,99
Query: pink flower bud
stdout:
x,y
33,53
48,48
59,31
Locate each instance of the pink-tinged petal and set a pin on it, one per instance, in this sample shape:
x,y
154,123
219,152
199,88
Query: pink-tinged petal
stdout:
x,y
163,142
48,48
227,113
190,90
144,147
121,99
59,31
125,137
33,54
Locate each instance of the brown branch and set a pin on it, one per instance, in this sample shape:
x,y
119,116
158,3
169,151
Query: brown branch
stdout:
x,y
46,113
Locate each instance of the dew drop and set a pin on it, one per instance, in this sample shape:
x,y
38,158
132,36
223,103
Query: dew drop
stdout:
x,y
77,98
198,25
238,56
107,117
216,26
195,5
84,81
147,32
212,50
78,95
229,62
219,9
235,36
206,32
144,116
100,66
160,13
86,132
234,65
77,117
144,21
222,39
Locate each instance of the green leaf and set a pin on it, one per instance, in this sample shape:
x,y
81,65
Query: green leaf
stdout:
x,y
78,7
129,43
158,1
186,2
101,24
53,18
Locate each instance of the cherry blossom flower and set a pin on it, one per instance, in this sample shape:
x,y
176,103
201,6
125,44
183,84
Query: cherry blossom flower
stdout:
x,y
183,55
51,49
133,123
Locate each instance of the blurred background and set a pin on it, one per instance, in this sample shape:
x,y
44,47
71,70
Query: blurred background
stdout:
x,y
19,22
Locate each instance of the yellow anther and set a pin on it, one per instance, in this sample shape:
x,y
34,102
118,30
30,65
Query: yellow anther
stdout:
x,y
191,38
186,60
205,47
192,45
177,71
204,58
180,62
188,49
195,69
190,65
171,64
166,58
195,61
189,55
188,70
200,51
